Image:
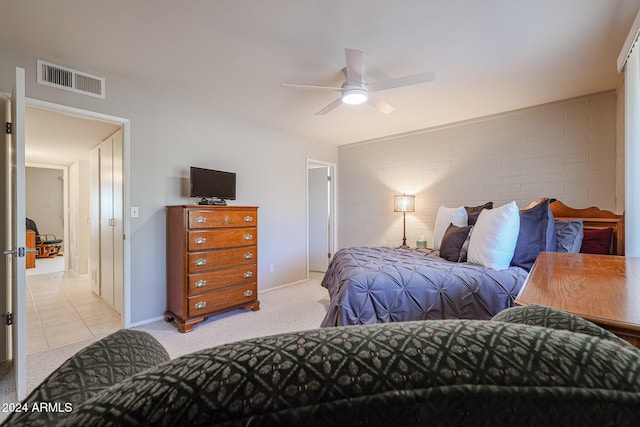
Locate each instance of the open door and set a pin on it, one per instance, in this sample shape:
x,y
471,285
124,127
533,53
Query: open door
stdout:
x,y
320,217
17,317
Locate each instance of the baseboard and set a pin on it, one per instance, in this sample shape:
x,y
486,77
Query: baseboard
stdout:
x,y
286,285
145,322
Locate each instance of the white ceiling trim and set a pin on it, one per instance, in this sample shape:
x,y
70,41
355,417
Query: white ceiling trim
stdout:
x,y
629,43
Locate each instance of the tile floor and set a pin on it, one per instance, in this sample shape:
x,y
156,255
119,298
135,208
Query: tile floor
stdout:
x,y
61,309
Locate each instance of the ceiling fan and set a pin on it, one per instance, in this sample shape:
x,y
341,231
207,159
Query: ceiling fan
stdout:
x,y
355,90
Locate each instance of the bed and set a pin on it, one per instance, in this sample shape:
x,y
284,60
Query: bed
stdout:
x,y
381,285
594,220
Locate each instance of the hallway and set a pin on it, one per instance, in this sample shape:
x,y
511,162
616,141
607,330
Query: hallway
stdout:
x,y
61,309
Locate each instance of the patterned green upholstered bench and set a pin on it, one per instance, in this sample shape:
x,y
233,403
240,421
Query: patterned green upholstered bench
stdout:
x,y
96,367
508,371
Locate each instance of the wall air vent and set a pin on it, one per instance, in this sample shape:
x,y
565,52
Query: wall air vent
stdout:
x,y
66,78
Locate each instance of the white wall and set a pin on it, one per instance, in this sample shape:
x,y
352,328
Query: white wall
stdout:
x,y
170,133
44,201
565,150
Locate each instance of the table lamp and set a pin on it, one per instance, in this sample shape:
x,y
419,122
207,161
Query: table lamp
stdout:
x,y
404,203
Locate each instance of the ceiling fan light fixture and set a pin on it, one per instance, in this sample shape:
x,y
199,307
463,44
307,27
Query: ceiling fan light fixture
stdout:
x,y
354,96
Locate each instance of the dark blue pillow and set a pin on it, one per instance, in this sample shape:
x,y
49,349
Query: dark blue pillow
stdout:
x,y
537,234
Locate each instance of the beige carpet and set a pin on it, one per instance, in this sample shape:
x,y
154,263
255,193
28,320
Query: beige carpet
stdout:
x,y
296,307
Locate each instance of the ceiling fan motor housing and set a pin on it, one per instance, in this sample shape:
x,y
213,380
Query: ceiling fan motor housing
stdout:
x,y
354,94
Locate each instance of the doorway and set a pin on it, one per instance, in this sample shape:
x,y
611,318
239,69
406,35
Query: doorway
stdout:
x,y
64,138
321,220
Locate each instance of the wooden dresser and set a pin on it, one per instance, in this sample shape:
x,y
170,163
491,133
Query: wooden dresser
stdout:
x,y
212,262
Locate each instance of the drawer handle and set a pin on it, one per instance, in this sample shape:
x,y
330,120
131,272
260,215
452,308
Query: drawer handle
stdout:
x,y
248,274
200,305
200,240
201,220
248,293
248,218
200,283
248,237
248,255
201,262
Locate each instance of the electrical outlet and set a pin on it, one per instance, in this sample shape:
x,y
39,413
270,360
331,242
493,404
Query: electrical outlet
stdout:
x,y
134,212
272,268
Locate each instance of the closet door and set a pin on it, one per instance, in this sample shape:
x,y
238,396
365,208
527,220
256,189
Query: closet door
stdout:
x,y
111,222
106,221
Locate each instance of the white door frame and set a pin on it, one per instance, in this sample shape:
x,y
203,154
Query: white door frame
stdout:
x,y
333,242
125,124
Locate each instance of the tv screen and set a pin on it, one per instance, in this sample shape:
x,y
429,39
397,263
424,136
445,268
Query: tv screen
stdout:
x,y
207,183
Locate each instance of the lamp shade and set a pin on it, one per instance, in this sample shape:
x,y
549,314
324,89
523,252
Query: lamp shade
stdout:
x,y
404,203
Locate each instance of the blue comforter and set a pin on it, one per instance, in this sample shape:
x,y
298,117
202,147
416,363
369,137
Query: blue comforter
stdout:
x,y
381,285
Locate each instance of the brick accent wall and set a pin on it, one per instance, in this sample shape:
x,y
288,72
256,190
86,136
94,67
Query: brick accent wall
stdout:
x,y
565,150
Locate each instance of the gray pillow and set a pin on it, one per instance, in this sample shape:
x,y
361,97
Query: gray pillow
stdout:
x,y
569,234
453,247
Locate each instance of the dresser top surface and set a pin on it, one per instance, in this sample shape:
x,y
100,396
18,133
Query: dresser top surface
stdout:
x,y
601,288
210,207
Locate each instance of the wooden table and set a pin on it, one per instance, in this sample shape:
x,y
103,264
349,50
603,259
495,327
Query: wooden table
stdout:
x,y
31,244
603,289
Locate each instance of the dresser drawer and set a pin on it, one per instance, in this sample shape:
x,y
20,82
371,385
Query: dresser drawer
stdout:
x,y
222,238
200,305
199,219
209,260
203,282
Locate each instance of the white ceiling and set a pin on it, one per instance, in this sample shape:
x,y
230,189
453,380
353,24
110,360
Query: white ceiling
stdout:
x,y
489,56
59,139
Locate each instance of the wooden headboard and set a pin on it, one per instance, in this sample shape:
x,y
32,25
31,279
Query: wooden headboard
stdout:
x,y
594,218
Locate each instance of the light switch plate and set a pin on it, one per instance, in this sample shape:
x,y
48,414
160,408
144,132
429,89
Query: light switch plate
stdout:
x,y
134,212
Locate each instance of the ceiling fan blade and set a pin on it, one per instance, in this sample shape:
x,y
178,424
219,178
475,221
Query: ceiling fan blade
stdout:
x,y
381,106
415,79
325,88
354,66
335,104
376,73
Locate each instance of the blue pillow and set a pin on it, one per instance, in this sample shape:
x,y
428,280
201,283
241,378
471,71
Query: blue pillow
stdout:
x,y
537,234
569,235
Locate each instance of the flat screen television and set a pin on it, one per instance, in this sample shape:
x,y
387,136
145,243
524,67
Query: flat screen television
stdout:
x,y
217,186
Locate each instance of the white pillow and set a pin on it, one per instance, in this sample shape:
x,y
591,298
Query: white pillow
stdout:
x,y
444,217
494,237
